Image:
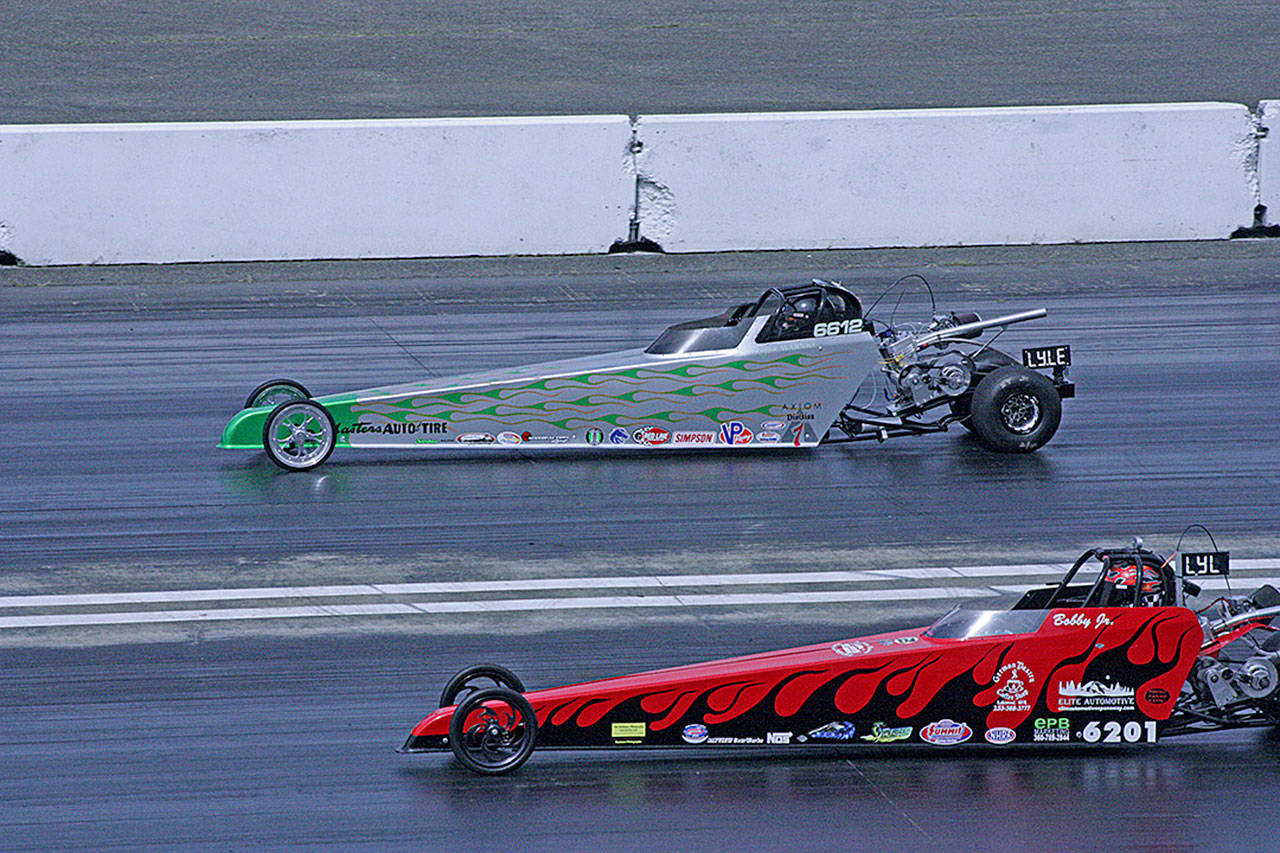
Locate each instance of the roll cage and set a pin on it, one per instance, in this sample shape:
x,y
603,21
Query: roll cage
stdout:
x,y
1127,577
726,330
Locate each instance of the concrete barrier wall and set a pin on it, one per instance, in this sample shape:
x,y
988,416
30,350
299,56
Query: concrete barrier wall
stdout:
x,y
496,186
1269,160
130,193
945,176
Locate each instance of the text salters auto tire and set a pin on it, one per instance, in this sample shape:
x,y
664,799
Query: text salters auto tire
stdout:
x,y
493,731
299,434
1015,410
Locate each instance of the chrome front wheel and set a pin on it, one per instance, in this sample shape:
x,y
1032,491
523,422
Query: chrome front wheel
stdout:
x,y
299,434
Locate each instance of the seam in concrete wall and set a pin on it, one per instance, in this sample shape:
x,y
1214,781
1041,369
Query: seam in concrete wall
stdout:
x,y
647,195
656,204
1267,165
1247,150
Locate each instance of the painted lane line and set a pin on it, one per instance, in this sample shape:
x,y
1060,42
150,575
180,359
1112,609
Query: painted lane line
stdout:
x,y
494,606
456,587
705,600
54,620
90,599
1050,570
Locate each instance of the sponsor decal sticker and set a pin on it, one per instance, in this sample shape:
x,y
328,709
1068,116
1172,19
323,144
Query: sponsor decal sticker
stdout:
x,y
651,436
802,434
1157,696
768,437
899,641
1092,696
773,425
628,732
595,436
735,741
694,733
530,438
880,733
800,411
1051,730
476,438
735,433
777,737
423,428
1000,735
851,648
686,437
1013,691
509,438
835,730
946,732
619,436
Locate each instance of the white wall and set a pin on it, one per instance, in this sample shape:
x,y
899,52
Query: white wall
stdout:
x,y
945,176
440,187
127,193
1269,160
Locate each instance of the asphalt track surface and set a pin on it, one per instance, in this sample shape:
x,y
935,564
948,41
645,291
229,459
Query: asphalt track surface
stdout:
x,y
119,380
68,61
260,746
117,394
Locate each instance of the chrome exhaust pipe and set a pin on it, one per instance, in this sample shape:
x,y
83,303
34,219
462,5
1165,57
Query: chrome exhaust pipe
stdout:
x,y
1021,317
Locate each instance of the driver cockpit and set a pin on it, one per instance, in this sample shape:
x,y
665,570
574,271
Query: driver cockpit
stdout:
x,y
794,313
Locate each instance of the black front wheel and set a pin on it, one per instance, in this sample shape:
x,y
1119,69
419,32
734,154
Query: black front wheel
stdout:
x,y
1015,410
479,676
493,731
273,392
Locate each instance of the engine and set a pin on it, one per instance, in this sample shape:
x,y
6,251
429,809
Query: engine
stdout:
x,y
917,377
1231,684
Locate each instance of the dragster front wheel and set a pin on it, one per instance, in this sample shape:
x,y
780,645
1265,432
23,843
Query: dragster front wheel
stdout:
x,y
493,731
273,392
299,435
478,677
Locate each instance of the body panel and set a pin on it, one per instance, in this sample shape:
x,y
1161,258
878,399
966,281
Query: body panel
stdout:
x,y
1083,672
780,394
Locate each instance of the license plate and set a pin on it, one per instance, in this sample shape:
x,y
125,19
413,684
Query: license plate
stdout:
x,y
1037,357
1199,563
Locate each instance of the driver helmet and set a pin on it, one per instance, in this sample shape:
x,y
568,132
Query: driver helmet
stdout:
x,y
1122,577
799,314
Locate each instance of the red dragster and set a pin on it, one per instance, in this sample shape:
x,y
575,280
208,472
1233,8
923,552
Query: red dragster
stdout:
x,y
1106,661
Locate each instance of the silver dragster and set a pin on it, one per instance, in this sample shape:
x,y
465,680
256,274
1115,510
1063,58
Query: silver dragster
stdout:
x,y
795,368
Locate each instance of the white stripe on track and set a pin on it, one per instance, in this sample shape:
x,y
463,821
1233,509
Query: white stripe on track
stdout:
x,y
668,589
464,587
492,606
1050,570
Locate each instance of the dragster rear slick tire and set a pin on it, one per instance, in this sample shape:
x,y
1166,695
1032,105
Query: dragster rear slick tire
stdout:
x,y
1015,410
498,740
